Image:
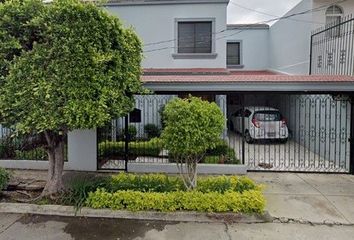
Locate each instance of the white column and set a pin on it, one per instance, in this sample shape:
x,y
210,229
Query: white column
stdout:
x,y
221,101
82,150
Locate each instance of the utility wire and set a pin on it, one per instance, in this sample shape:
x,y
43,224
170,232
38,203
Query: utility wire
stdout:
x,y
244,26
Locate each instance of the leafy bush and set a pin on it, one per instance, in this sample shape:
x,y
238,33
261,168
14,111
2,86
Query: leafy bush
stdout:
x,y
153,147
152,130
4,178
132,131
35,154
164,183
145,183
78,189
191,127
251,201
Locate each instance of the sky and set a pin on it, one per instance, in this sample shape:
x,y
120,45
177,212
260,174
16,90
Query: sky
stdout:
x,y
244,11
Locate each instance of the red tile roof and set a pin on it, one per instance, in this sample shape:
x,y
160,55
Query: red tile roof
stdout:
x,y
246,78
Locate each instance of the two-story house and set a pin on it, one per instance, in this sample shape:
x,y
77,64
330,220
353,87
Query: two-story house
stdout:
x,y
258,75
190,49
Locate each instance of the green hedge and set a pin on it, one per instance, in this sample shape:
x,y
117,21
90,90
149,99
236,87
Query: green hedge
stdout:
x,y
164,183
4,178
251,201
152,148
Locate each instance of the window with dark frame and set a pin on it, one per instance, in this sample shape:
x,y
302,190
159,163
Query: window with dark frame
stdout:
x,y
135,116
195,37
233,54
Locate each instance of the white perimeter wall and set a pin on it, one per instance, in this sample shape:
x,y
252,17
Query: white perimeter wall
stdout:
x,y
254,47
155,23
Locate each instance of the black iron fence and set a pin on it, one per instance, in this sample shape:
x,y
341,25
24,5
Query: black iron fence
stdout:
x,y
278,132
332,48
17,147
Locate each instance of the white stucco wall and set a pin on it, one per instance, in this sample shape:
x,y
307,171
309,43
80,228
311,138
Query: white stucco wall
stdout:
x,y
290,41
254,47
154,23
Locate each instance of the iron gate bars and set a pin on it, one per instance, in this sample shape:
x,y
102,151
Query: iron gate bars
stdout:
x,y
332,48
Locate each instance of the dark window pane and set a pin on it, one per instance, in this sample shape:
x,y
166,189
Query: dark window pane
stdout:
x,y
233,54
203,37
265,116
194,37
135,116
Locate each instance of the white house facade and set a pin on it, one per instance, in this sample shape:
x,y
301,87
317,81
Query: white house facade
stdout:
x,y
189,48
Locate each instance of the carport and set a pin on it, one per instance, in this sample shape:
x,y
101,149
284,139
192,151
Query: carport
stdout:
x,y
317,108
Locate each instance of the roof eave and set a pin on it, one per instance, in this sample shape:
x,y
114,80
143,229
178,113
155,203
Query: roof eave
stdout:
x,y
326,87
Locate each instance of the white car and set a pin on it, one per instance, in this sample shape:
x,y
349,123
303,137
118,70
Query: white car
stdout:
x,y
260,123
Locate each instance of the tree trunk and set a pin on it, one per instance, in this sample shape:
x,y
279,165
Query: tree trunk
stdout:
x,y
55,153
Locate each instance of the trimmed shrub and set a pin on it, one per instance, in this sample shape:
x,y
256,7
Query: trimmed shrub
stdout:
x,y
251,201
152,131
4,178
164,183
153,147
145,183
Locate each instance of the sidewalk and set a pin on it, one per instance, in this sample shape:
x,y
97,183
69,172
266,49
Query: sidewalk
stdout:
x,y
318,198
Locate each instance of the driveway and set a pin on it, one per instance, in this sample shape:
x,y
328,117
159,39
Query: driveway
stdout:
x,y
317,198
290,156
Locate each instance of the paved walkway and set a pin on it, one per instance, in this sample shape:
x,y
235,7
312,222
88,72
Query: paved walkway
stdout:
x,y
311,197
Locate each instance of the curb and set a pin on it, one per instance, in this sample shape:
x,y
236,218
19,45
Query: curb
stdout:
x,y
69,211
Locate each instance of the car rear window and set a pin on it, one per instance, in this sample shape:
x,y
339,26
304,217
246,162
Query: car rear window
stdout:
x,y
267,115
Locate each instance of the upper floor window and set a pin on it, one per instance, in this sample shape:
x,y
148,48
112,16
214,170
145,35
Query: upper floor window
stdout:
x,y
333,17
195,37
334,14
233,54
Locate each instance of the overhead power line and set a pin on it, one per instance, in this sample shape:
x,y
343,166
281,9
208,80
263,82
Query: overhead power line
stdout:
x,y
244,26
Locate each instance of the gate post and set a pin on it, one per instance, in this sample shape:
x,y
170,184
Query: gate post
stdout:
x,y
351,139
126,142
243,128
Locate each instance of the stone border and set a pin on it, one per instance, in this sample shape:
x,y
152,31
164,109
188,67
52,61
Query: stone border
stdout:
x,y
69,211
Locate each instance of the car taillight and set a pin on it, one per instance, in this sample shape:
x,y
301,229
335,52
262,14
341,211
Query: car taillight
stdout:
x,y
283,122
255,123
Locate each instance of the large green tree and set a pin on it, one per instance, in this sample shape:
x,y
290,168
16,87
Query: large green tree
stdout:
x,y
65,65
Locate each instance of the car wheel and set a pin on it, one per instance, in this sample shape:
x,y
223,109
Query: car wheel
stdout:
x,y
248,137
283,140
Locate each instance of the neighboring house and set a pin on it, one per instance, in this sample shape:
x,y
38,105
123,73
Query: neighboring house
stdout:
x,y
290,39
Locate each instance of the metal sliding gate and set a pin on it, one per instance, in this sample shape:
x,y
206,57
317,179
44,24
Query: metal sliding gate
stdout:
x,y
266,132
300,133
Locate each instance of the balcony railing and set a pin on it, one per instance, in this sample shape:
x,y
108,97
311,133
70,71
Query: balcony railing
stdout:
x,y
332,48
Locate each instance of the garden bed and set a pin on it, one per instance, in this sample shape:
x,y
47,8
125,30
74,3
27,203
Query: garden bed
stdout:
x,y
153,192
157,192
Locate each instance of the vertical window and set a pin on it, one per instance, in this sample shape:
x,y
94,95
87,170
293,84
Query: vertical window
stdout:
x,y
333,17
195,37
233,54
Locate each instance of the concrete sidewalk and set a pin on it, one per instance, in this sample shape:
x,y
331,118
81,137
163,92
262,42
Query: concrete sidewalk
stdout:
x,y
317,198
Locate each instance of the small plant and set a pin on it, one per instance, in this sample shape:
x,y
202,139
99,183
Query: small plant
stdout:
x,y
4,178
191,127
78,190
153,147
152,130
